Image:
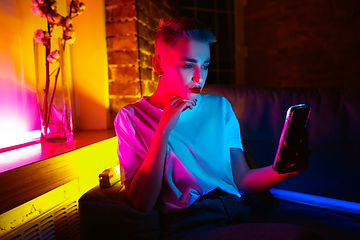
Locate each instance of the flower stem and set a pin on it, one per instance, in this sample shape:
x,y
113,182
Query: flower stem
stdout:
x,y
71,3
54,71
53,95
55,84
47,85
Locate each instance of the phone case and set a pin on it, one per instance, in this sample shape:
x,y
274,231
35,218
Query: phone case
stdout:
x,y
295,121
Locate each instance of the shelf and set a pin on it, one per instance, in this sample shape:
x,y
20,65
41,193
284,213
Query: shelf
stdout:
x,y
36,152
34,170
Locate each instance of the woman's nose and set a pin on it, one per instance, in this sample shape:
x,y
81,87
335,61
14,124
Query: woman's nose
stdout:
x,y
196,79
197,75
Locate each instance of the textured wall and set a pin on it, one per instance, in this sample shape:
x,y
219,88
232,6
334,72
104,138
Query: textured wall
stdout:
x,y
310,43
130,31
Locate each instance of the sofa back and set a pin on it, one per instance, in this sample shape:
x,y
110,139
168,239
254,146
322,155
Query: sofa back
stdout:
x,y
334,134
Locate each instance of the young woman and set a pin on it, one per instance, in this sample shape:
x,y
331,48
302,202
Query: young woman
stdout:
x,y
181,150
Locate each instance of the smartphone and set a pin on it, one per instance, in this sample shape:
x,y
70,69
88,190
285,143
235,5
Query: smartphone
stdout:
x,y
296,119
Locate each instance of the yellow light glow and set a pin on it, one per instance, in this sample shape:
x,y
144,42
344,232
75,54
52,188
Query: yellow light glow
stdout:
x,y
87,162
117,170
90,67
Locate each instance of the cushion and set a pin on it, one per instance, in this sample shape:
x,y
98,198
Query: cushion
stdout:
x,y
107,213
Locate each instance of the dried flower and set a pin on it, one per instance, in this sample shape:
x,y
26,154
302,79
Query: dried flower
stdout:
x,y
81,8
53,17
69,35
77,7
39,7
36,10
41,36
53,57
47,9
66,22
54,6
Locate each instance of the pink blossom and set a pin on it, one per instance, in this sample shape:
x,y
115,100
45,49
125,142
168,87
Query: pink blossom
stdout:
x,y
35,3
40,36
66,22
53,57
78,7
53,17
36,10
69,35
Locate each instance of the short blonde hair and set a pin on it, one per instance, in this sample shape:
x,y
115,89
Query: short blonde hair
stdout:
x,y
183,27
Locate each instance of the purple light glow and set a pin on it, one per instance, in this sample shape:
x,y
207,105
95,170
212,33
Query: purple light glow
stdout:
x,y
317,201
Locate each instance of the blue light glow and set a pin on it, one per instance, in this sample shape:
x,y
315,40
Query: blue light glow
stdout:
x,y
317,201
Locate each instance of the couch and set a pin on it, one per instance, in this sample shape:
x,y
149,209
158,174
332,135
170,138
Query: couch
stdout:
x,y
333,171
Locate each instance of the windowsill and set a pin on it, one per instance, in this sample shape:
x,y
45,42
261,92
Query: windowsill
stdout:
x,y
36,152
34,170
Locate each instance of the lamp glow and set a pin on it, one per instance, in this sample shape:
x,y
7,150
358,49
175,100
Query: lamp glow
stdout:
x,y
117,170
318,201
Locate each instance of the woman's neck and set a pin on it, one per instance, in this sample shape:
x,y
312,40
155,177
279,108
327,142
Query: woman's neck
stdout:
x,y
159,99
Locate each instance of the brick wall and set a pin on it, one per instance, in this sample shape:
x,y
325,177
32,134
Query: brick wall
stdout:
x,y
130,31
311,43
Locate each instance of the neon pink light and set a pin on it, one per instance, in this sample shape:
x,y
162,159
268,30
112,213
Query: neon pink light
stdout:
x,y
19,122
19,157
13,140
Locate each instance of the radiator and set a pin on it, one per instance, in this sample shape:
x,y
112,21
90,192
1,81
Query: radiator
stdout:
x,y
60,223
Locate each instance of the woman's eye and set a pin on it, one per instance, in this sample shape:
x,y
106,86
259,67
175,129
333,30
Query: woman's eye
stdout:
x,y
205,67
187,66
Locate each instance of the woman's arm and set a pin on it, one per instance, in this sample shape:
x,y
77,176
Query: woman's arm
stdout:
x,y
144,188
251,181
260,179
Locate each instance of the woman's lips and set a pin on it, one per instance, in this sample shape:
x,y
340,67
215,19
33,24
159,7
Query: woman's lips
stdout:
x,y
195,89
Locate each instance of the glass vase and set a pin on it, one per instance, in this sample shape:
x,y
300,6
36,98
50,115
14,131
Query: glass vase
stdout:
x,y
53,85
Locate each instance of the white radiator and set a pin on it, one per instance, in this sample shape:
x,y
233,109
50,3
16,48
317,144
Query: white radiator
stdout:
x,y
60,223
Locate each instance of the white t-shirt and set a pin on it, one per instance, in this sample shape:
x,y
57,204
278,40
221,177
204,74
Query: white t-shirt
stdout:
x,y
198,151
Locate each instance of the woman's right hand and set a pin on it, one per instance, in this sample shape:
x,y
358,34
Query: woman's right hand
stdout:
x,y
172,111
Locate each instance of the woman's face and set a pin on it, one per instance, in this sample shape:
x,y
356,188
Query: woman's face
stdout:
x,y
185,68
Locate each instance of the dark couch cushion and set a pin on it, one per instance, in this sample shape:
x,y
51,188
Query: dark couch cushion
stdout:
x,y
254,231
107,213
334,134
329,224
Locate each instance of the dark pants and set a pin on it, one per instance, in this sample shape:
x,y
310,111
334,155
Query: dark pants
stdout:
x,y
219,215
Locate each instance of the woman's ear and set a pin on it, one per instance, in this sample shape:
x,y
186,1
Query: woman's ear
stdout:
x,y
157,64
